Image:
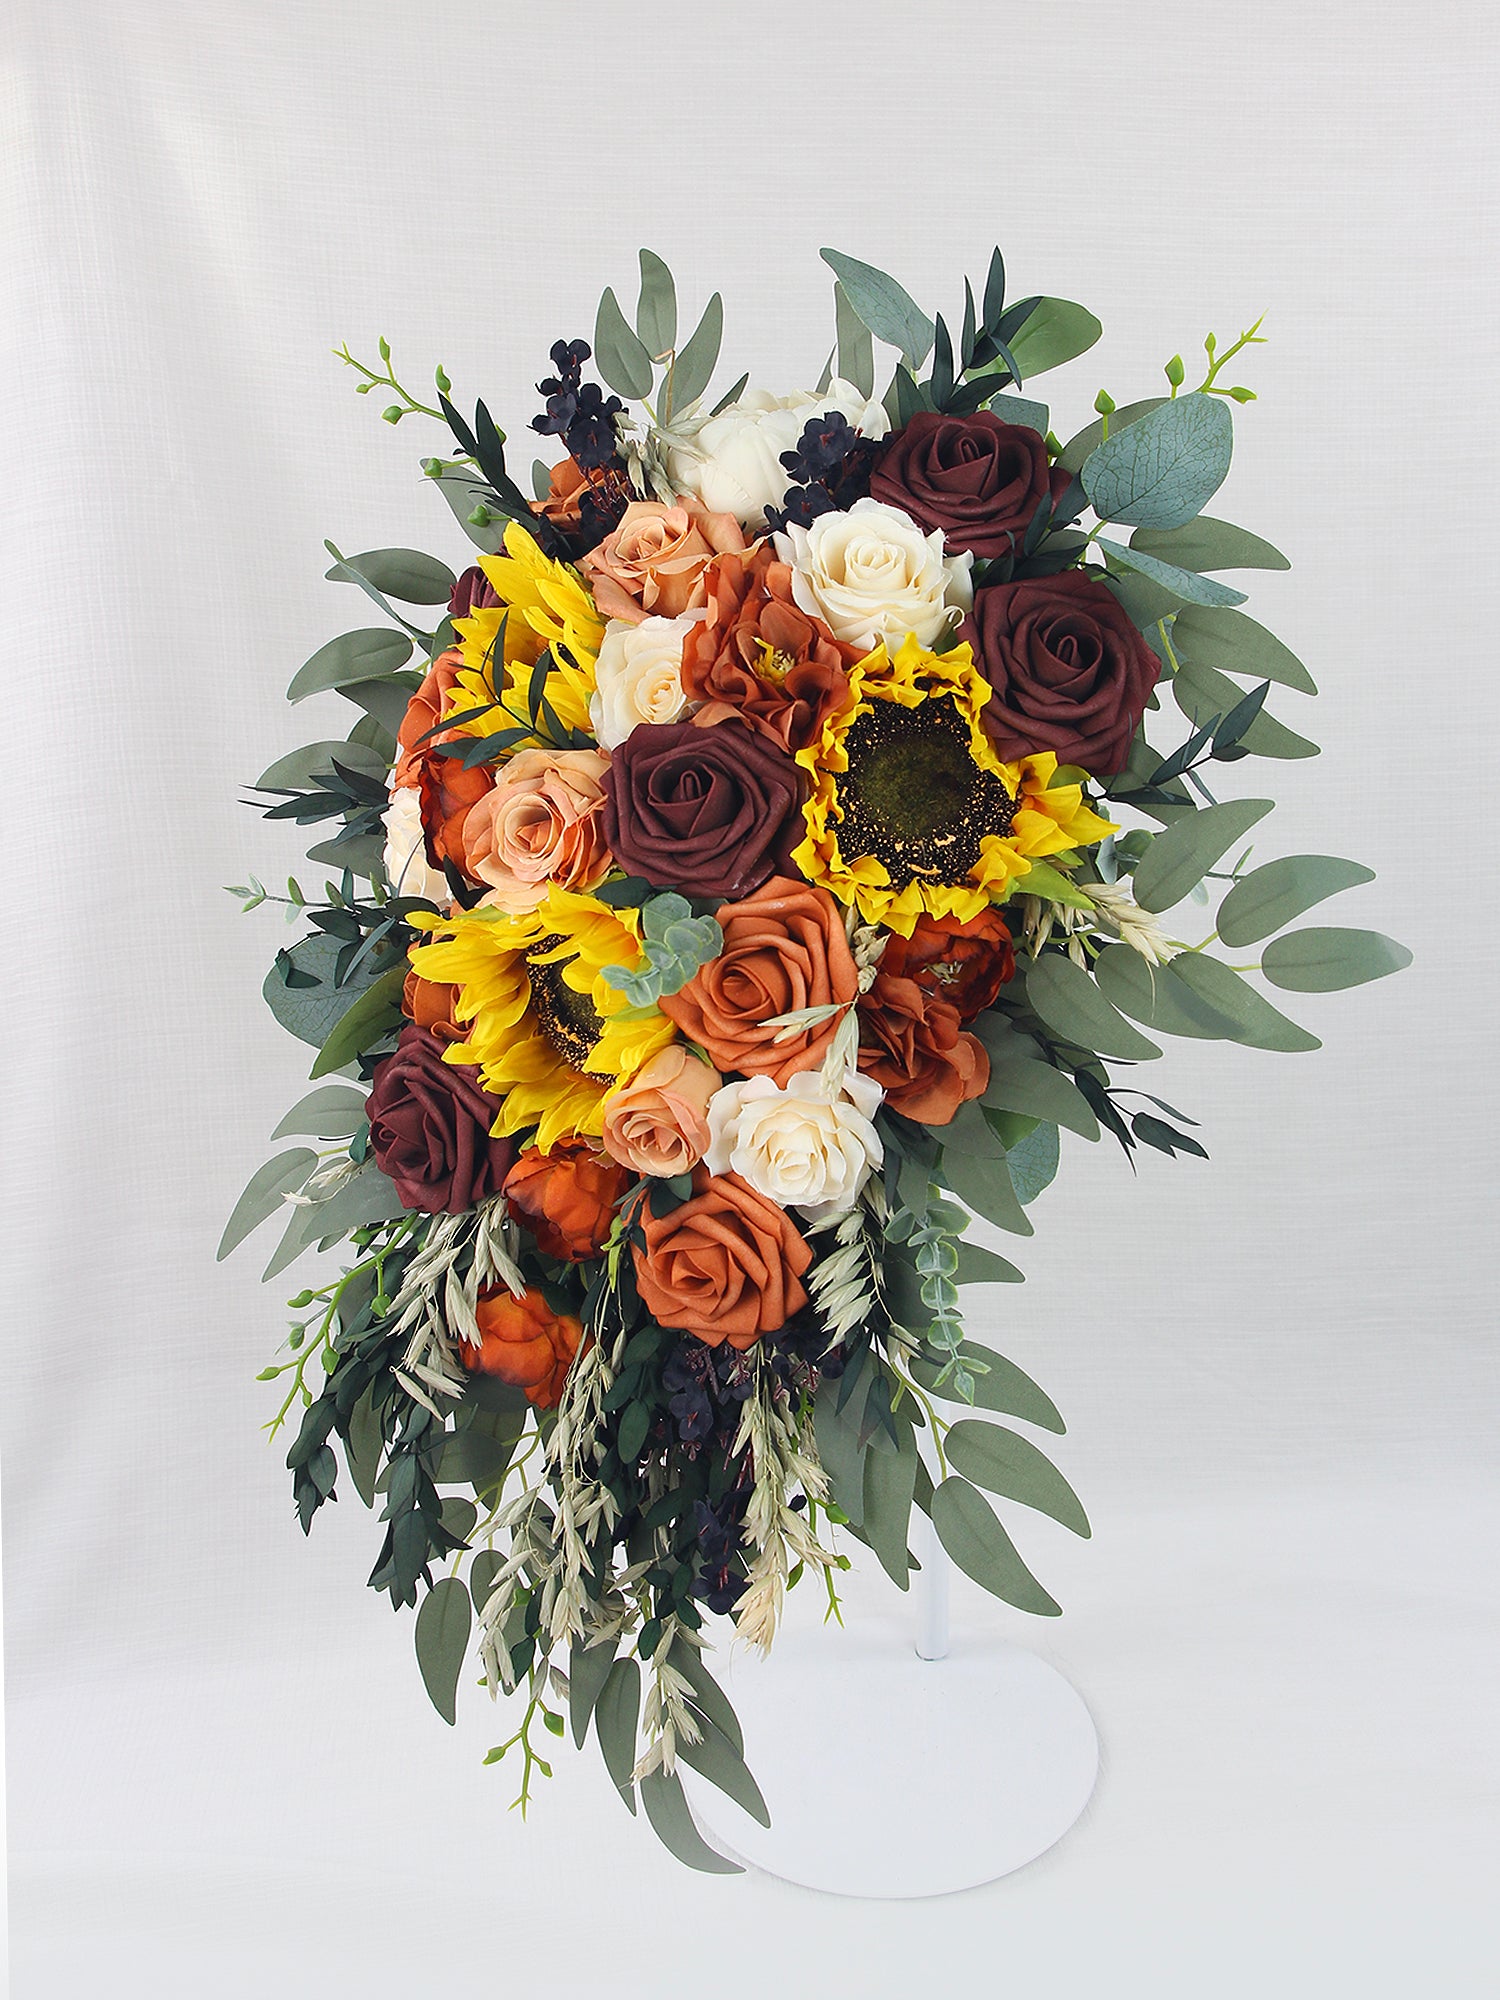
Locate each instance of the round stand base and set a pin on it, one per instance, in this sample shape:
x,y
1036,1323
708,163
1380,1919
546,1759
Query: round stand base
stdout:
x,y
892,1776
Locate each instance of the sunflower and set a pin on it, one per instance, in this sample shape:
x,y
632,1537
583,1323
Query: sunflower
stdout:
x,y
543,605
912,811
549,1034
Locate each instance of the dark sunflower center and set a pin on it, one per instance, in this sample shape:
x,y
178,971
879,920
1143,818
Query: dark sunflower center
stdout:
x,y
913,795
568,1019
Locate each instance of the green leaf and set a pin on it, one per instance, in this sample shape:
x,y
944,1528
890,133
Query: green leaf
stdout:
x,y
985,1185
311,1013
1078,449
296,770
1159,473
458,1517
978,1266
615,1716
886,308
1021,410
353,656
442,1639
1041,879
263,1195
855,351
1003,1462
1258,1025
1003,1387
336,1111
1033,1162
836,1433
373,1015
714,1757
707,1694
1055,331
465,492
634,1425
1205,543
1326,959
1072,1005
405,574
1155,996
1203,692
589,1667
482,1572
971,1533
1180,856
1044,1092
890,1480
365,1197
656,309
1275,894
1233,642
362,1448
672,1823
621,359
695,365
384,701
1183,583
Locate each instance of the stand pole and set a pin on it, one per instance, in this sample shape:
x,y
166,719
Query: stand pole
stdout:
x,y
930,1590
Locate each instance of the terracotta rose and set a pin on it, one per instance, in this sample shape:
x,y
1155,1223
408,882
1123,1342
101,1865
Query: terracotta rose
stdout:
x,y
525,1343
964,964
784,949
725,1265
759,655
566,1199
446,789
431,1006
912,1045
652,564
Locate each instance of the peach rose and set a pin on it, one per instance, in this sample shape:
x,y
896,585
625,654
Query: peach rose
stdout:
x,y
726,1264
525,1343
658,1123
653,562
784,949
542,822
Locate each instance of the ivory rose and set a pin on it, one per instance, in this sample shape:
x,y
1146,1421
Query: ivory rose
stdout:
x,y
807,1145
658,1122
733,461
638,677
405,860
543,822
726,1264
872,574
652,564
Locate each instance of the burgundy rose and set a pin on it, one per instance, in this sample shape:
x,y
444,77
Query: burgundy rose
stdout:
x,y
472,592
1070,671
976,478
430,1128
707,811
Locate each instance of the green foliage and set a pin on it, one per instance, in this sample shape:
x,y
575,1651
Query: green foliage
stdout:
x,y
998,1385
1183,583
1160,472
1158,997
1069,1002
336,1111
265,1195
1179,858
656,308
886,308
1258,1025
675,945
1207,544
1278,892
1003,1462
619,353
353,656
406,574
442,1639
672,1823
616,1714
374,1015
719,1760
971,1533
1054,331
1236,644
856,353
693,369
1322,960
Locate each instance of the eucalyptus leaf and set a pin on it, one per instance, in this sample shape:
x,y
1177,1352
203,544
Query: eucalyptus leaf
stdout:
x,y
1203,692
1157,997
1159,472
1002,1386
1055,331
985,1185
385,702
483,1570
693,370
1327,958
856,354
589,1668
1205,543
367,1196
1021,410
442,1639
1277,893
1071,1004
1003,1462
672,1823
889,1482
707,1695
363,1446
970,1531
466,494
837,1434
353,656
311,1013
1180,856
1234,643
1183,583
656,309
887,309
375,1012
1044,1092
335,1111
1087,441
714,1757
296,771
295,1238
1258,1025
622,360
615,1716
405,574
1033,1162
978,1266
264,1195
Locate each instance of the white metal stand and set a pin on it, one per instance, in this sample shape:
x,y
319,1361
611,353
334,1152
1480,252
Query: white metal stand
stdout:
x,y
893,1772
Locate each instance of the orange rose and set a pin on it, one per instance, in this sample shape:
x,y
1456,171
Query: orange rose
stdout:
x,y
784,949
658,1122
912,1045
965,964
525,1343
431,1006
758,655
652,565
566,1198
542,821
725,1265
601,492
446,789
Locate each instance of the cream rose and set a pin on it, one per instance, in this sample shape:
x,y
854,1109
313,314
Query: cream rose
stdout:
x,y
733,462
406,850
872,575
638,676
658,1122
805,1146
543,822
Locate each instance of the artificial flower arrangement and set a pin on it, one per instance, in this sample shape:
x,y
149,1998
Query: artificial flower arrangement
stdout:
x,y
767,856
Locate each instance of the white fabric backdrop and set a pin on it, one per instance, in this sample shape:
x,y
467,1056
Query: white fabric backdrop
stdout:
x,y
1278,1368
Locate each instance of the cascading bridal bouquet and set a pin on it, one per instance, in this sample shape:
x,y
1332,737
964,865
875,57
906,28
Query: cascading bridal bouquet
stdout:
x,y
766,858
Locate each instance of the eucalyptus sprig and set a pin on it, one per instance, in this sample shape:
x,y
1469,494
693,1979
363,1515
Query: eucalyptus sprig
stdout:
x,y
408,406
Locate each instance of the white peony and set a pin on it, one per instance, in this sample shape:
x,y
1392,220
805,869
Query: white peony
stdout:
x,y
808,1146
872,574
638,677
733,461
406,851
